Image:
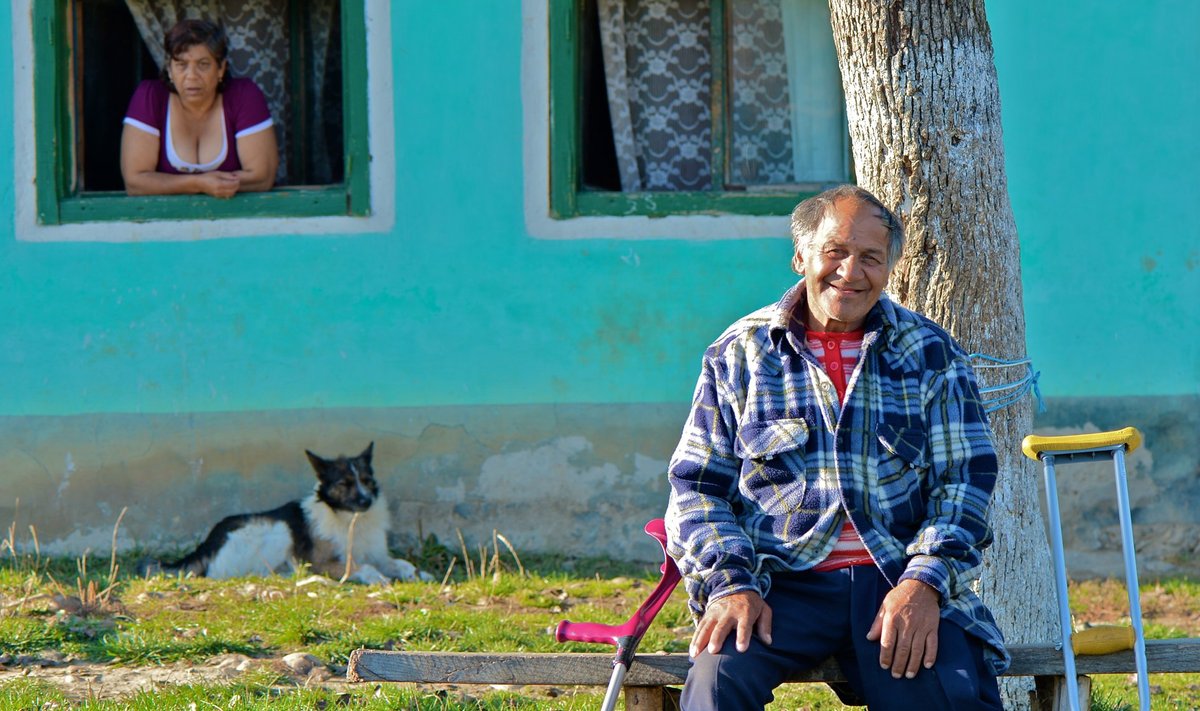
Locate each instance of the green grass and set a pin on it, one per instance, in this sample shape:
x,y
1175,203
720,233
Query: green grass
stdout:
x,y
117,618
503,605
1176,602
1168,692
34,695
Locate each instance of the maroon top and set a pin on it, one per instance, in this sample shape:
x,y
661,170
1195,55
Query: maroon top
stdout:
x,y
245,110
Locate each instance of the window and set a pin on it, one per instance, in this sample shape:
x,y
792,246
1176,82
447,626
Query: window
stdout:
x,y
91,55
666,107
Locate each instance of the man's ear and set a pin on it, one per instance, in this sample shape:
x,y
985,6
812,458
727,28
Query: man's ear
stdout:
x,y
798,264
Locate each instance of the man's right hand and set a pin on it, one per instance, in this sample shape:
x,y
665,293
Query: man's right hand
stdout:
x,y
743,613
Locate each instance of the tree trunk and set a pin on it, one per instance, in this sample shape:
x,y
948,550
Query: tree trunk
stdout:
x,y
924,115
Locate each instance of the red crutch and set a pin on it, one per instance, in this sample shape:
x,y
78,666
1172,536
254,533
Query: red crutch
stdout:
x,y
626,636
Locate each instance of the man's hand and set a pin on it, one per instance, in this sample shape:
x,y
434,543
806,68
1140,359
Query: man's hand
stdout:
x,y
907,628
742,612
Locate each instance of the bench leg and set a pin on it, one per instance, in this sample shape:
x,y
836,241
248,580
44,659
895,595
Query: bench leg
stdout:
x,y
1051,693
651,698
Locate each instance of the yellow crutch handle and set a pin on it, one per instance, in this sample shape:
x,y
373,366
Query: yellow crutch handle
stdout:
x,y
1034,445
1104,639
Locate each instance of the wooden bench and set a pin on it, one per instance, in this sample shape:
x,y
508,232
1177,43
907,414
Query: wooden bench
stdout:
x,y
650,675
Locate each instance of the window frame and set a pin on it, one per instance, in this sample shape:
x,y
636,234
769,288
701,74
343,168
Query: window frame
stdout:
x,y
59,202
568,199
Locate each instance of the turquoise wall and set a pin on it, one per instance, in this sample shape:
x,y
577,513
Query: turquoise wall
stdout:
x,y
1100,105
457,305
157,374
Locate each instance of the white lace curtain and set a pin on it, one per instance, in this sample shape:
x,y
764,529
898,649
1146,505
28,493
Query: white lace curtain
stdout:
x,y
259,49
786,122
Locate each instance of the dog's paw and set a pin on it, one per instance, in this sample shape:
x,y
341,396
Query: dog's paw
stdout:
x,y
369,575
402,570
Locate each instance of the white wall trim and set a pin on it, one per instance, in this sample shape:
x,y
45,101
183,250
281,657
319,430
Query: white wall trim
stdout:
x,y
535,98
382,147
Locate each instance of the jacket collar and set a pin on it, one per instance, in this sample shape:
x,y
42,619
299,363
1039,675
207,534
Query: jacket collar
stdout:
x,y
787,322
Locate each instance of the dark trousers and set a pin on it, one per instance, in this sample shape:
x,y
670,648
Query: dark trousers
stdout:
x,y
820,615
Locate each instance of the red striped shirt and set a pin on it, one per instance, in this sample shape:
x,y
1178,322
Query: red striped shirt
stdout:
x,y
838,353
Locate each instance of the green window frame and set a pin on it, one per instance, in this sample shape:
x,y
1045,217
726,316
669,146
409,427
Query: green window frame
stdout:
x,y
60,202
567,196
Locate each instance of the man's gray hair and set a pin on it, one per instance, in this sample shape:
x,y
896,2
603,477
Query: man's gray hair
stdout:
x,y
808,215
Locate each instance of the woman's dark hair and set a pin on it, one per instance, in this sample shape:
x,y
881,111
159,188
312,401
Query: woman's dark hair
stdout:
x,y
189,33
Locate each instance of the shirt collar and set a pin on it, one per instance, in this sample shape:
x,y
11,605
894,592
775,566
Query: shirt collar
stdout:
x,y
787,325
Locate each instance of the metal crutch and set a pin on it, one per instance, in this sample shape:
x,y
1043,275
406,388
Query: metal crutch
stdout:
x,y
626,636
1069,449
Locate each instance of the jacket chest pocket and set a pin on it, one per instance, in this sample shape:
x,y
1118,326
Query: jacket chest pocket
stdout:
x,y
901,468
772,454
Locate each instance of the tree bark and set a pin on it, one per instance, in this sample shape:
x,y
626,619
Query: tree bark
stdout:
x,y
924,115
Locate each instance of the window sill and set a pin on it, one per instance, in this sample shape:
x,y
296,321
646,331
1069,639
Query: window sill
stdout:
x,y
662,204
322,201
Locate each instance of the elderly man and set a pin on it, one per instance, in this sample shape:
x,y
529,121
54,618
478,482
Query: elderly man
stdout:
x,y
829,495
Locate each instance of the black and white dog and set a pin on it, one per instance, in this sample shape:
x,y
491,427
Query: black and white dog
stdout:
x,y
345,517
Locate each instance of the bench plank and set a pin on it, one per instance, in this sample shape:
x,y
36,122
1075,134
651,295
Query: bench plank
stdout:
x,y
555,668
1162,656
587,668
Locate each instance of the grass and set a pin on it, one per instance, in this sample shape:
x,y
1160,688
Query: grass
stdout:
x,y
24,695
497,603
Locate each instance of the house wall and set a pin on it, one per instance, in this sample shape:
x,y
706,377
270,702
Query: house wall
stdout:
x,y
536,386
1100,134
1098,109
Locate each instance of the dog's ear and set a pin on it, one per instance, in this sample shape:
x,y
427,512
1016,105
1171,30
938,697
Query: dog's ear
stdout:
x,y
318,464
366,453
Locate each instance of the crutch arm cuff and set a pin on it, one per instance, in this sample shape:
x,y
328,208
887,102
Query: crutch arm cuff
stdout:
x,y
1035,445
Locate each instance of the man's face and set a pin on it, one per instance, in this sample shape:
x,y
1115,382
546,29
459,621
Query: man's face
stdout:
x,y
845,267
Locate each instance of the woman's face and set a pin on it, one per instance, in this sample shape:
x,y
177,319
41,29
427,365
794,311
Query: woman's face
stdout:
x,y
195,72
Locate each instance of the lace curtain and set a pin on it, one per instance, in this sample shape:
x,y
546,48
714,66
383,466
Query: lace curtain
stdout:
x,y
658,70
786,112
260,49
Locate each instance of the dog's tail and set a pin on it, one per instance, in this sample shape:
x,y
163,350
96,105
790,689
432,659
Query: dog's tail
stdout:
x,y
189,565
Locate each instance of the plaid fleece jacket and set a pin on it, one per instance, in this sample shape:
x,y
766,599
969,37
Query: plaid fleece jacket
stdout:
x,y
770,463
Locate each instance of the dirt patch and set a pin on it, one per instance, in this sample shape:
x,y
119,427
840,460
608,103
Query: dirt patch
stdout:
x,y
80,680
1102,602
83,682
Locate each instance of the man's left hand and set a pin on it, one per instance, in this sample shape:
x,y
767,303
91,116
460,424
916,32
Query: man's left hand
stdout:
x,y
907,628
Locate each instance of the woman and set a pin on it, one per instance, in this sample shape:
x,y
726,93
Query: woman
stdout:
x,y
198,130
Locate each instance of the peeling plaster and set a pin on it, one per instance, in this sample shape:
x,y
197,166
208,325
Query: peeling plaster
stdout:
x,y
95,540
68,470
196,467
451,494
546,472
648,470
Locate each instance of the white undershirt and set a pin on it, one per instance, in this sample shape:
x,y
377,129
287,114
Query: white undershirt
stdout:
x,y
184,166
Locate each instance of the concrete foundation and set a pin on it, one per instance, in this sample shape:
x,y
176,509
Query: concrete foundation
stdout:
x,y
574,479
